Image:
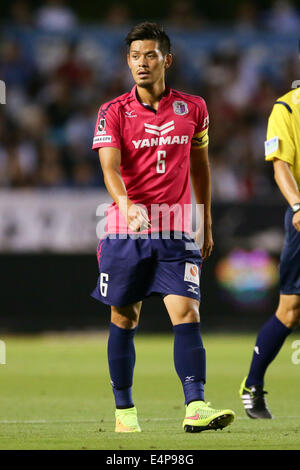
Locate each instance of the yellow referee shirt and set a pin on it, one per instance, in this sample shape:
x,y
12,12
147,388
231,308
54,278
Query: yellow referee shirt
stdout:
x,y
283,135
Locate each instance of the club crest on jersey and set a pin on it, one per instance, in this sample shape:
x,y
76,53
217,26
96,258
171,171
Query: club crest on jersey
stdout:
x,y
180,108
101,126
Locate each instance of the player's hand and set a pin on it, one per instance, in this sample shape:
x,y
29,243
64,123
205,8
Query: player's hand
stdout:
x,y
208,242
137,218
296,221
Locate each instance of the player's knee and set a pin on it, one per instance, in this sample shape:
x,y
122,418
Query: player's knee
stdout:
x,y
191,315
125,318
294,316
124,322
291,317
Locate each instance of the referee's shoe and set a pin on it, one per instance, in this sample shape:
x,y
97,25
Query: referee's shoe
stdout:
x,y
254,402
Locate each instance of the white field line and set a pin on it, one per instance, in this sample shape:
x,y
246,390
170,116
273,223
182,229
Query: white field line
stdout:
x,y
99,421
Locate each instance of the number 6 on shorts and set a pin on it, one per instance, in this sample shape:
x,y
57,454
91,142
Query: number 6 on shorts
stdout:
x,y
103,284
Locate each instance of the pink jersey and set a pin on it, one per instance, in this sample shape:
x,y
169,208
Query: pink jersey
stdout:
x,y
155,154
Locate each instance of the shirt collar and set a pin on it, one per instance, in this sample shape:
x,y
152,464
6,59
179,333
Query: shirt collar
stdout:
x,y
166,96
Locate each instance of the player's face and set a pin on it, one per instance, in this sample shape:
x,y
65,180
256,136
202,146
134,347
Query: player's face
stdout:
x,y
147,63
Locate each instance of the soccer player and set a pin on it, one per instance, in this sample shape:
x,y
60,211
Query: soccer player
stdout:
x,y
150,141
282,147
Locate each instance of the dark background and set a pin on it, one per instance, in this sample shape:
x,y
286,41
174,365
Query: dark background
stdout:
x,y
214,10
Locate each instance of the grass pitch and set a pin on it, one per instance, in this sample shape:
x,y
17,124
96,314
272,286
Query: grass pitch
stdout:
x,y
55,394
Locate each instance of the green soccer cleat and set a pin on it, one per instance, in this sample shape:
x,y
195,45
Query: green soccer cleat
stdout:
x,y
254,401
126,420
200,417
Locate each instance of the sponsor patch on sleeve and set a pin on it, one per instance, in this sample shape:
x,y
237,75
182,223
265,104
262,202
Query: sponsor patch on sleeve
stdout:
x,y
271,145
205,122
102,138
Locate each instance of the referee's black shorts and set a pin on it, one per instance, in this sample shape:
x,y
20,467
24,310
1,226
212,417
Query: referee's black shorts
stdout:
x,y
290,258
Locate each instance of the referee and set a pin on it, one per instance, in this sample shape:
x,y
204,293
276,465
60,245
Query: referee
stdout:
x,y
282,147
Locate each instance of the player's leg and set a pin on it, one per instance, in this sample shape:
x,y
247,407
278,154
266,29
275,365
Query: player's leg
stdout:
x,y
268,344
121,360
190,365
272,336
189,353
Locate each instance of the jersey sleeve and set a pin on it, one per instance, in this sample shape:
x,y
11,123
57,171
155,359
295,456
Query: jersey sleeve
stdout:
x,y
107,130
280,142
200,138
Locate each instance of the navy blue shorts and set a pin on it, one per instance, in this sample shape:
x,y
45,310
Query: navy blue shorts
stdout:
x,y
290,258
133,269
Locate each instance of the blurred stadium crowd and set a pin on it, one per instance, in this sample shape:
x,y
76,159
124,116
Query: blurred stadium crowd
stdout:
x,y
58,70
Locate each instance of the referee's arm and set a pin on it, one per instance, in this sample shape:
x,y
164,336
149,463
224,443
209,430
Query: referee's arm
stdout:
x,y
280,148
288,186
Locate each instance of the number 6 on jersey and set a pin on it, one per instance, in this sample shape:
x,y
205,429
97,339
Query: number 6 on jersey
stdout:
x,y
161,163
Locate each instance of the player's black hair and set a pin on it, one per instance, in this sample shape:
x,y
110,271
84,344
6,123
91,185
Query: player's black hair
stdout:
x,y
148,30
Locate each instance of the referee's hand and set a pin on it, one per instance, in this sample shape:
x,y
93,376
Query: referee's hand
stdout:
x,y
137,218
296,221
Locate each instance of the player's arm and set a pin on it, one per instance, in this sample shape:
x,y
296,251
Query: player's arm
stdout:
x,y
110,160
200,177
288,186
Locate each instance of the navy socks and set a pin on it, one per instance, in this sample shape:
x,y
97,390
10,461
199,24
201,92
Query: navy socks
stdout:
x,y
189,360
268,344
121,361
